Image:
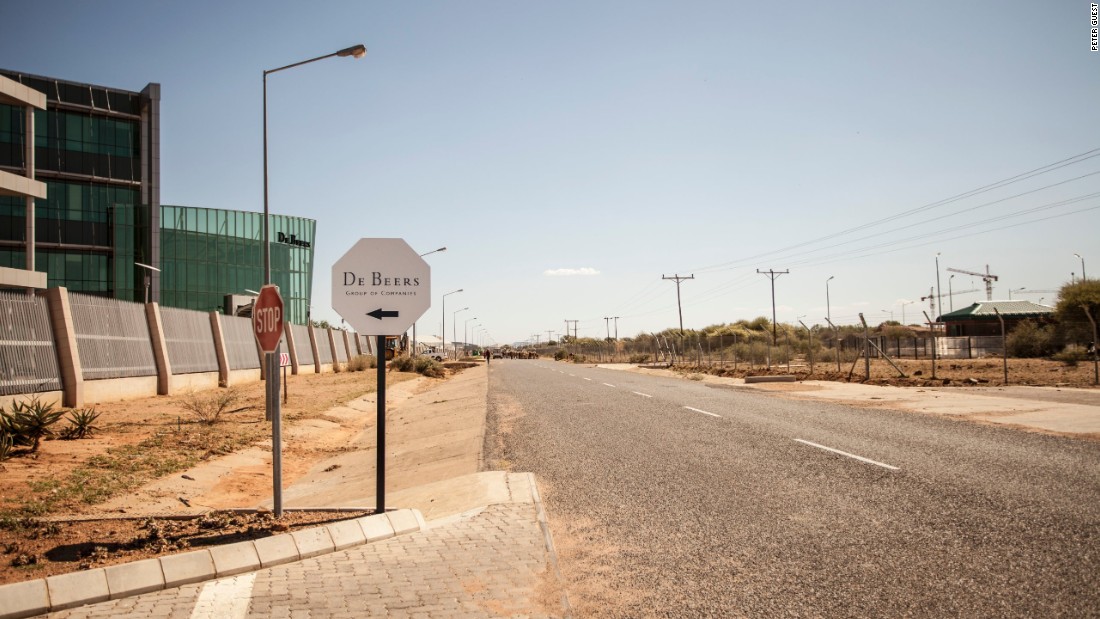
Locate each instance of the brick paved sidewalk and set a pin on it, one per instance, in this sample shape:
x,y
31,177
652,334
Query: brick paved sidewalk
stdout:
x,y
492,562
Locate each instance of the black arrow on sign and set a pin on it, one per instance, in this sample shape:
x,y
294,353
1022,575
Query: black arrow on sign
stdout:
x,y
381,313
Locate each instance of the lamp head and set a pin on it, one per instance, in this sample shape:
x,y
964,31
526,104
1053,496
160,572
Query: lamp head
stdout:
x,y
355,51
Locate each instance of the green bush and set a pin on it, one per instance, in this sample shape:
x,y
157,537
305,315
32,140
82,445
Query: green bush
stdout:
x,y
361,363
1029,340
430,367
403,364
32,421
560,354
81,424
1071,356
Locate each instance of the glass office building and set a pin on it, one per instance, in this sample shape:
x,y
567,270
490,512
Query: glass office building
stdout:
x,y
97,150
208,253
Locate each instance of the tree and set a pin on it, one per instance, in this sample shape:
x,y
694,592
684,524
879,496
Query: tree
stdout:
x,y
1070,311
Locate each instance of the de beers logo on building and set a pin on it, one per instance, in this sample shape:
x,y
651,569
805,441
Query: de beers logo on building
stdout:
x,y
293,240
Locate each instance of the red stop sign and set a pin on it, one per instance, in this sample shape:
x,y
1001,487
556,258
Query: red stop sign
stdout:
x,y
267,318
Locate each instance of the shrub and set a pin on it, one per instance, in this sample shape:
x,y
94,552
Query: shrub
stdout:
x,y
1031,340
403,364
81,424
1071,357
360,363
33,421
560,354
430,367
209,409
639,358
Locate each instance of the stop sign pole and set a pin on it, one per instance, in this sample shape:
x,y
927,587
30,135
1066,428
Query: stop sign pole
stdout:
x,y
267,324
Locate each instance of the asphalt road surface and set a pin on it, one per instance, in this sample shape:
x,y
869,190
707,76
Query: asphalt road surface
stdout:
x,y
673,498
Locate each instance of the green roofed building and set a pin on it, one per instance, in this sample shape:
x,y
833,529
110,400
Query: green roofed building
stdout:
x,y
981,318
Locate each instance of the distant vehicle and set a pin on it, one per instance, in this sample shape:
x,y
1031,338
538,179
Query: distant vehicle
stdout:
x,y
497,354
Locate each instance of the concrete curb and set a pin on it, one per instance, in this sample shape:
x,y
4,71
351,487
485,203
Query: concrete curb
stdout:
x,y
37,597
548,540
782,378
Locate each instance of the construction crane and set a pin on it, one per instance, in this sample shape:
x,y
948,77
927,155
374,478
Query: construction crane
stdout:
x,y
986,277
931,297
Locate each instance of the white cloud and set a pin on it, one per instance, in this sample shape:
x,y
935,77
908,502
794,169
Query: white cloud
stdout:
x,y
581,271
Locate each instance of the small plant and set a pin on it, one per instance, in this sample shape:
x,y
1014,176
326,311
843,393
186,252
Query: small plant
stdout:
x,y
360,363
430,367
643,358
1070,356
81,424
403,364
209,409
33,421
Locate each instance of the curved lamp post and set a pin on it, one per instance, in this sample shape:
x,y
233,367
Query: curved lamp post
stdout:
x,y
434,251
355,51
443,325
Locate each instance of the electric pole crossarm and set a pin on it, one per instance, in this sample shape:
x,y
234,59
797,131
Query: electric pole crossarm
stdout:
x,y
772,274
679,308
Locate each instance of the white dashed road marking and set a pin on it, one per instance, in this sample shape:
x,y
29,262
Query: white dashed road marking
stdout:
x,y
702,411
644,395
846,454
610,385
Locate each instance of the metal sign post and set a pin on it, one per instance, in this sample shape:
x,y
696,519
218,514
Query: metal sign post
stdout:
x,y
267,325
381,287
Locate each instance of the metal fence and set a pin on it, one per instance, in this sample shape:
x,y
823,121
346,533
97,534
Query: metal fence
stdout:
x,y
324,351
112,337
28,357
240,343
301,344
190,340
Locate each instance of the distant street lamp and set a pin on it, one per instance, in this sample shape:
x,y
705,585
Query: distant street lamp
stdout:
x,y
939,296
950,294
1010,291
904,303
1083,277
443,326
454,329
828,306
466,335
414,323
148,277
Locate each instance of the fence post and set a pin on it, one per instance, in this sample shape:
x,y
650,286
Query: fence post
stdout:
x,y
332,349
219,349
317,353
969,348
68,357
292,348
1004,342
160,348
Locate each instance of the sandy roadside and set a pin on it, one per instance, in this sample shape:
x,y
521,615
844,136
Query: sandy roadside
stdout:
x,y
435,429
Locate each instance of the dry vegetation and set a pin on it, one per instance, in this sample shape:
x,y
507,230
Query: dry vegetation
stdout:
x,y
49,520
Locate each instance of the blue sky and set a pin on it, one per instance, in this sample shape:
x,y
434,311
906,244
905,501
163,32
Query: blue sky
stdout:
x,y
623,141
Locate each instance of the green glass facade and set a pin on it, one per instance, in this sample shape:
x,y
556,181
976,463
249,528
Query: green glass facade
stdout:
x,y
97,150
209,253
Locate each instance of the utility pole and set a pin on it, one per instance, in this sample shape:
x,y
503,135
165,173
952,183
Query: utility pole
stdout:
x,y
574,328
607,323
616,319
679,278
772,274
549,337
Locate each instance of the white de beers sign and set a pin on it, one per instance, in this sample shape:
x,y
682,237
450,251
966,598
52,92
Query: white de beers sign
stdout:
x,y
381,286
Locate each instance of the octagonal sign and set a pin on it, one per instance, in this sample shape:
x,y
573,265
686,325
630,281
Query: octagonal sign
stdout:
x,y
381,286
267,318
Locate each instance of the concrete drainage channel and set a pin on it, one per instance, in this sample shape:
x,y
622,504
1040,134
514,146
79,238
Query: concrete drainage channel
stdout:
x,y
36,597
784,378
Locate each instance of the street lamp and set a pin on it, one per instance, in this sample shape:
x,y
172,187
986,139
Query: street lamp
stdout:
x,y
414,322
1020,289
939,297
904,303
1083,278
889,311
828,306
950,294
148,277
466,335
355,51
443,326
454,328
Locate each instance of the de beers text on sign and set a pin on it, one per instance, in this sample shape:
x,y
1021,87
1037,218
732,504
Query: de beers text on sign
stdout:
x,y
381,286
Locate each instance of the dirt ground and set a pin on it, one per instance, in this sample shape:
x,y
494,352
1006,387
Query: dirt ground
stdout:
x,y
122,494
948,372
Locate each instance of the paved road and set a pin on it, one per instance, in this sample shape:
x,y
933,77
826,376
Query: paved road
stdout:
x,y
672,498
